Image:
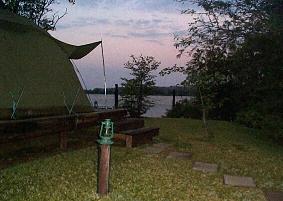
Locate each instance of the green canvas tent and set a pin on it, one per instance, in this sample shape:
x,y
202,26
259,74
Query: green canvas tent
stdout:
x,y
37,77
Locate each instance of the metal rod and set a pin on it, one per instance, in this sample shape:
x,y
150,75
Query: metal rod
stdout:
x,y
104,73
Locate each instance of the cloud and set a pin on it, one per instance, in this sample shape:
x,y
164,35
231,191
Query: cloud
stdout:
x,y
155,41
125,18
153,23
145,5
122,22
85,21
116,35
149,34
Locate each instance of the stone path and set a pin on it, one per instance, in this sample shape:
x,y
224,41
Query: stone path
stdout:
x,y
239,181
162,145
209,168
205,167
274,196
152,150
156,148
179,155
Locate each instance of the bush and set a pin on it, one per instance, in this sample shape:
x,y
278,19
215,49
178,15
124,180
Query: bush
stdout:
x,y
185,109
250,118
255,119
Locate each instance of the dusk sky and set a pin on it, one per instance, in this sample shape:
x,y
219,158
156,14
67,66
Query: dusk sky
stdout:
x,y
127,27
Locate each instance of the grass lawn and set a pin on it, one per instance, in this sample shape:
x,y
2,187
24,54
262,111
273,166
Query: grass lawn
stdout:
x,y
136,176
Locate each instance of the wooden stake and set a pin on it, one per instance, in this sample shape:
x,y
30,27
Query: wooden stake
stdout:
x,y
116,96
104,167
174,99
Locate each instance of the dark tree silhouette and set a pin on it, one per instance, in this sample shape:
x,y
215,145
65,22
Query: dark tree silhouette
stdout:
x,y
235,59
136,89
39,11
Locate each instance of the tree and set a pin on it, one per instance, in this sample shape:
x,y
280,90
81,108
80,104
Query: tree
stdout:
x,y
236,57
136,90
38,11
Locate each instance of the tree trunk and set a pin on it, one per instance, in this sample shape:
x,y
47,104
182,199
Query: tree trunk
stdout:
x,y
140,99
203,114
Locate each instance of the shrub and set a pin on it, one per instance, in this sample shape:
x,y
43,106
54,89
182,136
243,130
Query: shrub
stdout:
x,y
185,109
250,118
255,119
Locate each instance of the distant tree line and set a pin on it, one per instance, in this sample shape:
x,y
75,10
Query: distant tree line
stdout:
x,y
160,91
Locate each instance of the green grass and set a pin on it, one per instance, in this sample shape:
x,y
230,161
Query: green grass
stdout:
x,y
139,177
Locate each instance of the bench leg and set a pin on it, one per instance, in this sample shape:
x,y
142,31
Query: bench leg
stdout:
x,y
129,141
63,140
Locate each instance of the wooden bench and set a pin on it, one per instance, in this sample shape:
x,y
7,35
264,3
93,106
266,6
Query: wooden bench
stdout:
x,y
18,130
136,137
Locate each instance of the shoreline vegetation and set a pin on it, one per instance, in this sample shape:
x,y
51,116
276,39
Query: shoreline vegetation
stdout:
x,y
159,91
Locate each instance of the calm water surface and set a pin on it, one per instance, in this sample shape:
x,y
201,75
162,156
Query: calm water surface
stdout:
x,y
162,103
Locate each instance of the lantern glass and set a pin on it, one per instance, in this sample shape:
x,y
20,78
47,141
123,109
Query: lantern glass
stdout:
x,y
106,130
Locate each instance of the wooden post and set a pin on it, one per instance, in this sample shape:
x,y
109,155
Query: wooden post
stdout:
x,y
63,141
104,167
116,96
174,98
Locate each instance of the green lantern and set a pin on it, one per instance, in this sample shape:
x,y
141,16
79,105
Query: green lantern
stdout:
x,y
106,132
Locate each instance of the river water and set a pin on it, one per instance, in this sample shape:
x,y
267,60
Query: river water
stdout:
x,y
162,103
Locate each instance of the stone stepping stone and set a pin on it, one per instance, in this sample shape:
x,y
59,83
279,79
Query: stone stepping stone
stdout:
x,y
205,167
152,150
274,196
162,145
239,181
180,155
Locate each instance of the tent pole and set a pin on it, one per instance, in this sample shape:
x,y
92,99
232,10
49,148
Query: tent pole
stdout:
x,y
104,74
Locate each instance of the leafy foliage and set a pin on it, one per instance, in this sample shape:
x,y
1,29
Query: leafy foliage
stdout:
x,y
136,89
39,11
236,57
186,109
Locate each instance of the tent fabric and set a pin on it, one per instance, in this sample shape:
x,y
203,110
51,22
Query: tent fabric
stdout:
x,y
36,76
12,21
6,16
77,52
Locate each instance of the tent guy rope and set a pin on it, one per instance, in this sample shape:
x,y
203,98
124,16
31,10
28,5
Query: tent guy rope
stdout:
x,y
15,103
84,83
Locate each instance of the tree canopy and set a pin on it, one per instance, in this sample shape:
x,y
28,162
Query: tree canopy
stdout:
x,y
236,61
39,11
136,89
